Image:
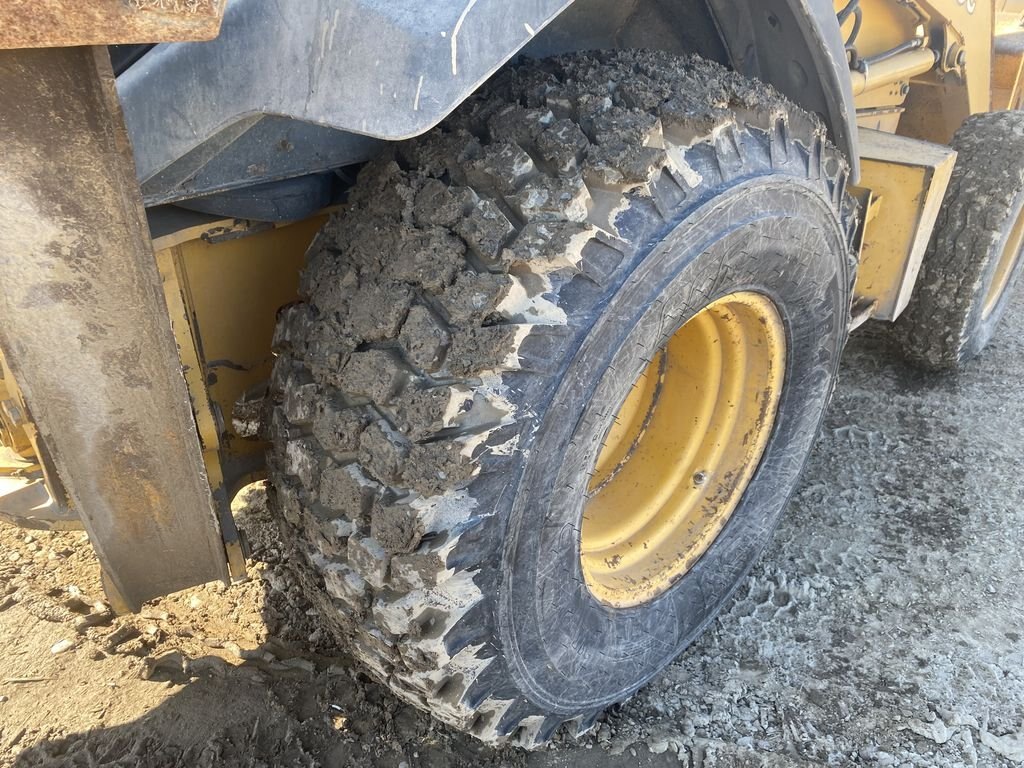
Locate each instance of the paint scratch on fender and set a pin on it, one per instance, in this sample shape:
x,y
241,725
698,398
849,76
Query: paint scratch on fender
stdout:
x,y
455,35
416,101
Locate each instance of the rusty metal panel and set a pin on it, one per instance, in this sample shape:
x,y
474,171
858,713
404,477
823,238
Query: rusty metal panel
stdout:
x,y
50,23
85,328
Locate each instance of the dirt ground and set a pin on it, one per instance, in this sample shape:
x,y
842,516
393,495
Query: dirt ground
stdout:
x,y
883,627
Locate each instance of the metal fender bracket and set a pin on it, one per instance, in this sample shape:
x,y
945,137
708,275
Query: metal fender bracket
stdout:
x,y
907,181
85,330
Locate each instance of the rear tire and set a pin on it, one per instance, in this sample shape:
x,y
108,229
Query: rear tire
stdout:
x,y
473,321
973,261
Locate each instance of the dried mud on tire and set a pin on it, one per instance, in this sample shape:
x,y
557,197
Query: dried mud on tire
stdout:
x,y
947,322
441,309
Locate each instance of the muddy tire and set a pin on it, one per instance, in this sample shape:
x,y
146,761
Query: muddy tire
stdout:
x,y
471,322
973,260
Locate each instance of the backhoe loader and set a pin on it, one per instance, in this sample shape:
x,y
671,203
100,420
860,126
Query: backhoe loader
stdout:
x,y
528,311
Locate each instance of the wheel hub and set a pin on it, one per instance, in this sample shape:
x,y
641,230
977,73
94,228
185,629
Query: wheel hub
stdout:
x,y
682,449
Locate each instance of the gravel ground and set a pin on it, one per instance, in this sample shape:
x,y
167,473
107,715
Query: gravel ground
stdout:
x,y
882,627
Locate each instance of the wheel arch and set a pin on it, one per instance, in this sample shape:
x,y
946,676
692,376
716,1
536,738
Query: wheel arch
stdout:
x,y
813,74
743,34
314,93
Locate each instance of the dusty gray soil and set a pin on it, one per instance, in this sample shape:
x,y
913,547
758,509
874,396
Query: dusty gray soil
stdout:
x,y
883,626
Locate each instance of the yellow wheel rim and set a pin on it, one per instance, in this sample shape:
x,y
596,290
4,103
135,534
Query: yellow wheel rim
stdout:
x,y
1004,269
682,449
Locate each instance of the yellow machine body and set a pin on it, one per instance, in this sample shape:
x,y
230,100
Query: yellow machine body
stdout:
x,y
918,69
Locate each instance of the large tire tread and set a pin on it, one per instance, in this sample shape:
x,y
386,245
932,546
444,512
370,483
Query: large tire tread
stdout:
x,y
942,326
466,260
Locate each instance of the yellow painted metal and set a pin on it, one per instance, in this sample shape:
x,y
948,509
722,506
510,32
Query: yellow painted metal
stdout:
x,y
892,71
682,450
885,24
223,281
1008,71
1009,13
967,28
1004,268
880,90
908,179
176,292
904,92
29,486
930,65
223,287
960,86
234,289
15,426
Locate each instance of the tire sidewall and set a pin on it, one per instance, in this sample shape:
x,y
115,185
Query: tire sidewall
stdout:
x,y
776,235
